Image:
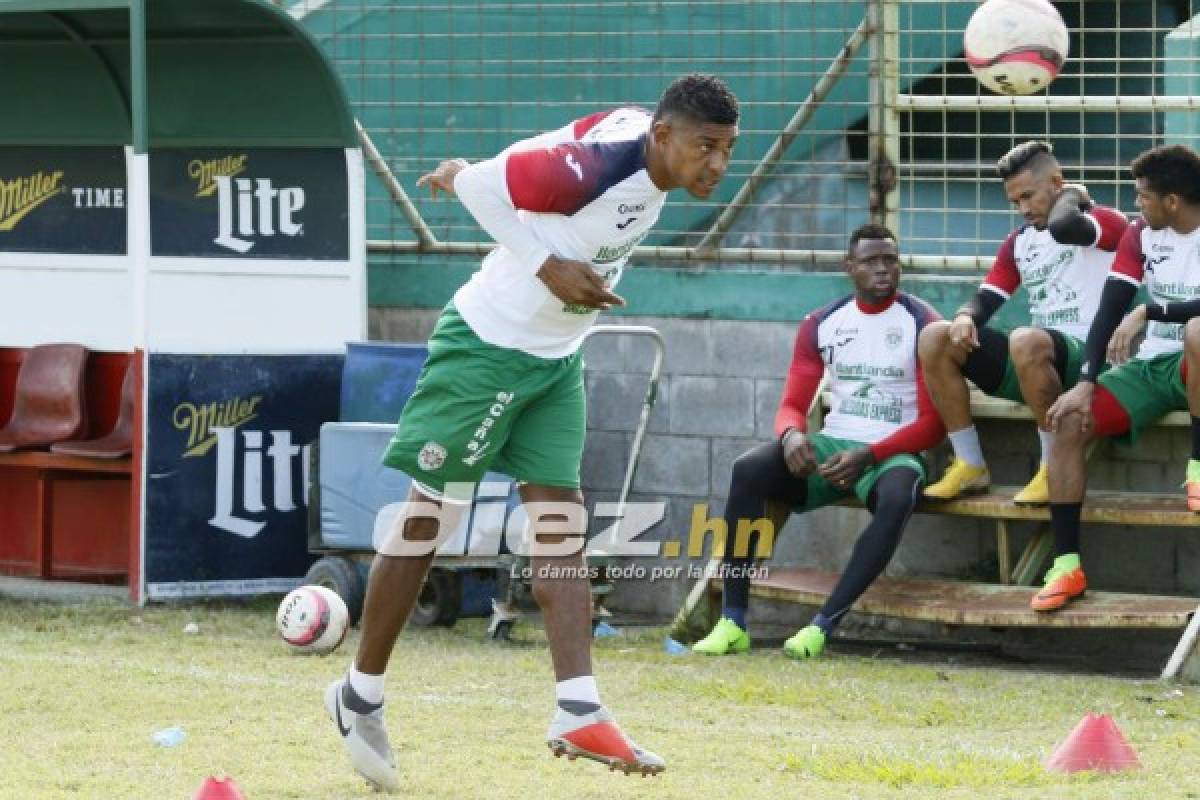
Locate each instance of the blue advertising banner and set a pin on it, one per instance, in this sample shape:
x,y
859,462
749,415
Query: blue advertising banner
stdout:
x,y
227,470
255,203
63,200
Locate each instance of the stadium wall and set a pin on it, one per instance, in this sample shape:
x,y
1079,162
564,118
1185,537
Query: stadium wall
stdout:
x,y
721,384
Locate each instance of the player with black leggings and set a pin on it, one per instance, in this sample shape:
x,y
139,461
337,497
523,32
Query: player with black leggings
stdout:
x,y
880,420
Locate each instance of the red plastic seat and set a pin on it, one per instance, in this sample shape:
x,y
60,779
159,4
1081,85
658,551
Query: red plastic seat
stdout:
x,y
118,442
48,406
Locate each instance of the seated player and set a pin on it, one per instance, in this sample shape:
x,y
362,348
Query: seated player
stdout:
x,y
1061,255
881,419
1160,249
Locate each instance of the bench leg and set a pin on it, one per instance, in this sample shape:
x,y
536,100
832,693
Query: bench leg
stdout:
x,y
1003,553
1184,663
43,557
1029,565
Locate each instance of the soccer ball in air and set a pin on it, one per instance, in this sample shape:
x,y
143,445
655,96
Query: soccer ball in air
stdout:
x,y
312,620
1016,46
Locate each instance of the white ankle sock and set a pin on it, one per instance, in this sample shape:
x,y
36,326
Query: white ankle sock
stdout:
x,y
966,446
580,690
368,687
1047,439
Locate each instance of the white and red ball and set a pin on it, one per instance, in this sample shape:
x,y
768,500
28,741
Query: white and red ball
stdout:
x,y
1016,46
312,620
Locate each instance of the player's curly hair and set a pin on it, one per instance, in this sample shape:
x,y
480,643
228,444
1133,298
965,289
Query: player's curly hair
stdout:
x,y
703,98
871,230
1026,155
1170,169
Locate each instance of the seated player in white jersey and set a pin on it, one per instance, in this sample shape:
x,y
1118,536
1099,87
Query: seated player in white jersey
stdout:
x,y
1061,255
503,389
880,421
1161,250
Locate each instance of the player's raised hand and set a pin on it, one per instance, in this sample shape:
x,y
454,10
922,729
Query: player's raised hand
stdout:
x,y
1078,400
798,453
1120,346
443,177
577,284
963,333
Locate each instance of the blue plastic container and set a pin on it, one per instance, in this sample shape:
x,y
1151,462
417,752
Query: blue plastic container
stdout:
x,y
377,379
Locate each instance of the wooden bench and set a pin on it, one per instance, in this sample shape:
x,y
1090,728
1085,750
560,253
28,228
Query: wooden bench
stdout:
x,y
64,516
1006,603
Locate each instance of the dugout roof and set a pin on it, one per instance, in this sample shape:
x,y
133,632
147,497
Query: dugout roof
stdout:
x,y
210,73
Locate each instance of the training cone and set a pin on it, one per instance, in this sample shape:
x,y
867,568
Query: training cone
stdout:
x,y
218,789
1096,744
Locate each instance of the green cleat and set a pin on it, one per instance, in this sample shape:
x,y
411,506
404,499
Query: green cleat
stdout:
x,y
807,643
726,638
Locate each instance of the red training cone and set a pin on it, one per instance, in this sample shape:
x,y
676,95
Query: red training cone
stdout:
x,y
1097,744
218,789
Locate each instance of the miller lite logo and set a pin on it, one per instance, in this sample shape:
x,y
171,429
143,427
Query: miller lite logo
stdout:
x,y
263,469
248,208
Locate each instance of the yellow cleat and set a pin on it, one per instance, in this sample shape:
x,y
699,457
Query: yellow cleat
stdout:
x,y
960,478
1037,491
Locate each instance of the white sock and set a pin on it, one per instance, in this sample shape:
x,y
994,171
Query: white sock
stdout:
x,y
580,690
1047,438
368,687
966,446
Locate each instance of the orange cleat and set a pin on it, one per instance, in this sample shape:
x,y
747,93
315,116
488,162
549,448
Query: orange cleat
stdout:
x,y
1062,586
1193,496
595,735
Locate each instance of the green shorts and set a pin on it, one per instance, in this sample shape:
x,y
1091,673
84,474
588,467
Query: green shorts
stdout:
x,y
478,407
822,493
1010,387
1147,389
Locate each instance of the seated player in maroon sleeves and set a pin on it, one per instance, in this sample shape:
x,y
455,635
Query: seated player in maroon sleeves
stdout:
x,y
880,420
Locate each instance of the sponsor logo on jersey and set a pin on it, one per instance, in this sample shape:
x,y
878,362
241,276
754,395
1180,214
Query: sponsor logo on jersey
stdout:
x,y
892,337
871,402
607,254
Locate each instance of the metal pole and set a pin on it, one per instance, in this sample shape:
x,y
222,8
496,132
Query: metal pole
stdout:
x,y
425,236
883,124
803,114
748,255
137,72
1042,103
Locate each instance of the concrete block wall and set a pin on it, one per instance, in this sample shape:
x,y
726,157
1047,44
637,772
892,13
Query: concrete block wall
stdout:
x,y
717,398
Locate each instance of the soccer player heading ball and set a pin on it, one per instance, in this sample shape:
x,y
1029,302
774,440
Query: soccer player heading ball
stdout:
x,y
503,386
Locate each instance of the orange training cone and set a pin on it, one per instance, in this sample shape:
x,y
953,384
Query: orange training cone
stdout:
x,y
218,789
1097,744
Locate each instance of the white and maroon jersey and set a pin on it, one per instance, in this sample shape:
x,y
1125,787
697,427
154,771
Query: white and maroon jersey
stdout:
x,y
1169,264
1064,281
870,356
581,192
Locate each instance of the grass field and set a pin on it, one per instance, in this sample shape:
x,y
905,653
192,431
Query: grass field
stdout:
x,y
85,687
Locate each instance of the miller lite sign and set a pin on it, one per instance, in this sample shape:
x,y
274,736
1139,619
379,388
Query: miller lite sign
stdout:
x,y
63,200
249,203
227,464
